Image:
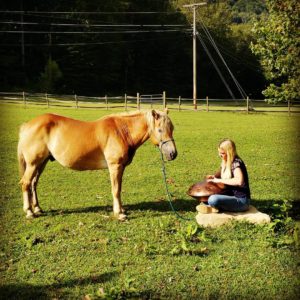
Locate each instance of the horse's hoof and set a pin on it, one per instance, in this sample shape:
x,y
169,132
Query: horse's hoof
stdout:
x,y
122,217
38,212
30,216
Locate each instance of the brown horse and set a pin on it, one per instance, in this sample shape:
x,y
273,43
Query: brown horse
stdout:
x,y
109,142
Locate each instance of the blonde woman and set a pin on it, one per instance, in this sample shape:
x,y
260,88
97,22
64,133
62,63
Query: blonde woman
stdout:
x,y
234,175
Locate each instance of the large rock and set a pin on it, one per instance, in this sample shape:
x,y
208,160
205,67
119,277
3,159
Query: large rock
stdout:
x,y
217,219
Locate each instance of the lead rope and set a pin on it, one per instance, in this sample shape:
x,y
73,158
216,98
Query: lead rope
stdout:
x,y
167,189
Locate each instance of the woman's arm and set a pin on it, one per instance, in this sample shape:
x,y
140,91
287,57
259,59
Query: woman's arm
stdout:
x,y
236,180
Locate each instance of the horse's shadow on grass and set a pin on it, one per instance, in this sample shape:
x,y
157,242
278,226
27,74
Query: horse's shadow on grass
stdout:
x,y
181,205
28,291
80,210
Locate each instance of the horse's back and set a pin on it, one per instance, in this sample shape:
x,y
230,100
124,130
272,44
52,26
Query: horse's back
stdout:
x,y
45,121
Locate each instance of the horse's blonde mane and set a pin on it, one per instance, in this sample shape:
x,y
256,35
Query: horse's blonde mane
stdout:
x,y
126,113
167,123
150,119
147,114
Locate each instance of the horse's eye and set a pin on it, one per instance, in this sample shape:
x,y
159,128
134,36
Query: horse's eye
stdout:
x,y
159,130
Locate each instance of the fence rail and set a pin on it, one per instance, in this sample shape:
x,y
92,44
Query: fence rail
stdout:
x,y
141,101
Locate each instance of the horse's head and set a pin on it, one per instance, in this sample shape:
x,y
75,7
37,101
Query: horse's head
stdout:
x,y
161,133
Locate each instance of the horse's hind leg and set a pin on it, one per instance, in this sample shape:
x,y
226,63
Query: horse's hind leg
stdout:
x,y
34,199
26,182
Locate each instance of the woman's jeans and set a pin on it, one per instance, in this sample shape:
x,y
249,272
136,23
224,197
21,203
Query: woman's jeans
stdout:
x,y
229,203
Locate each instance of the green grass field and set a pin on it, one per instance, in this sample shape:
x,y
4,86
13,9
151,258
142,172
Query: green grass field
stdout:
x,y
78,250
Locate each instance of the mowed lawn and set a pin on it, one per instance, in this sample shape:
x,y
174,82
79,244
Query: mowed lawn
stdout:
x,y
77,249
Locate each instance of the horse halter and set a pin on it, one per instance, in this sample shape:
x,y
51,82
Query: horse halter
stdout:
x,y
161,143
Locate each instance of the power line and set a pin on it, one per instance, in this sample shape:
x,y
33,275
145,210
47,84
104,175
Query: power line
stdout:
x,y
56,17
88,44
216,66
205,29
94,25
90,12
91,32
228,53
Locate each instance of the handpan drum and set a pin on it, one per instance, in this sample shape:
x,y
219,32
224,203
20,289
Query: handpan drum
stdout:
x,y
203,189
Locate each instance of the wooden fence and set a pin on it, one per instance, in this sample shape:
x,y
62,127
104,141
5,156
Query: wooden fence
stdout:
x,y
142,101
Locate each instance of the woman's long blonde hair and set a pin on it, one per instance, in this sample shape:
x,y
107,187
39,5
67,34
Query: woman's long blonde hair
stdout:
x,y
228,146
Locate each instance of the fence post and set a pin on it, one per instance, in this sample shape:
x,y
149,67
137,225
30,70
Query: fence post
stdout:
x,y
247,105
207,105
24,99
76,101
106,102
47,100
138,101
125,101
164,100
289,107
179,103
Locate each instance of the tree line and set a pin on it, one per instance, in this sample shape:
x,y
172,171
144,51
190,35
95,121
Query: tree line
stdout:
x,y
91,47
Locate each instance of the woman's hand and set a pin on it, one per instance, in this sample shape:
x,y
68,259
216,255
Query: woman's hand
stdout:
x,y
209,176
215,180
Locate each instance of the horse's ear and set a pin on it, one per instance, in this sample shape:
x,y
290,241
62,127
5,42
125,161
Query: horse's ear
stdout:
x,y
155,114
166,110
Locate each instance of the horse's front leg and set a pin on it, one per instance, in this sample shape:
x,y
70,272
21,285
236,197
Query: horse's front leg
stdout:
x,y
116,173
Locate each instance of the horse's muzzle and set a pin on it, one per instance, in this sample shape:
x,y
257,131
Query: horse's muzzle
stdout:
x,y
168,148
172,155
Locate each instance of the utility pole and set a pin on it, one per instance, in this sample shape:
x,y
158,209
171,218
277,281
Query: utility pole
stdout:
x,y
194,6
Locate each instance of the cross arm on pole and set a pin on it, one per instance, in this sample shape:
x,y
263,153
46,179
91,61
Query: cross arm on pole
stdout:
x,y
194,4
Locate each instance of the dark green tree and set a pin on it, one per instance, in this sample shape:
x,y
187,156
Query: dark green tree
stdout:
x,y
50,77
277,46
245,11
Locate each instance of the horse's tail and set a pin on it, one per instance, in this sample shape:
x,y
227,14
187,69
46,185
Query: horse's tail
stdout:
x,y
22,163
21,159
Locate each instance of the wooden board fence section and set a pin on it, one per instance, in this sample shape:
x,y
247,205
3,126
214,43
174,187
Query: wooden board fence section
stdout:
x,y
145,101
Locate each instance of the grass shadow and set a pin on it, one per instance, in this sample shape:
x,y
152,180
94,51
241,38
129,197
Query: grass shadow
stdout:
x,y
267,206
26,291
